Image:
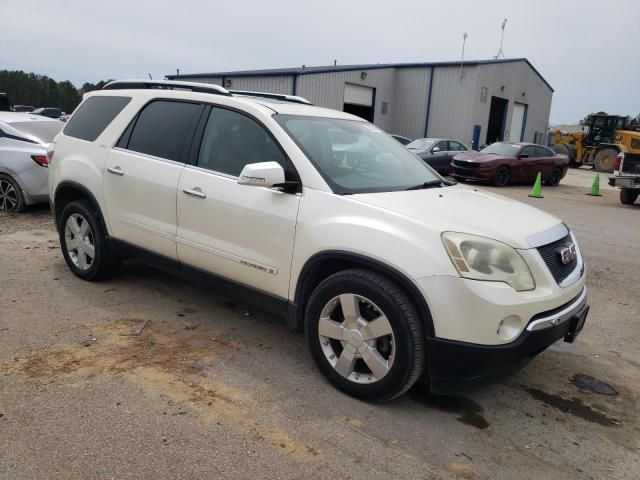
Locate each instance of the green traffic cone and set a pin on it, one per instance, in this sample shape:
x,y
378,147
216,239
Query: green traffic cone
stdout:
x,y
537,187
595,187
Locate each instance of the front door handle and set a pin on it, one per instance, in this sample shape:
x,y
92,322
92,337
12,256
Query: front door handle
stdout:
x,y
115,170
195,192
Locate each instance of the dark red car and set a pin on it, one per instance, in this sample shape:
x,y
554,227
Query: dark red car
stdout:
x,y
503,163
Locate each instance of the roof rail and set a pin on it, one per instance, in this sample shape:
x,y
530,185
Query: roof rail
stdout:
x,y
275,96
166,85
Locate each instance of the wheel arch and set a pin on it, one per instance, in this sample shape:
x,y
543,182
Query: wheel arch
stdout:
x,y
69,191
323,264
605,146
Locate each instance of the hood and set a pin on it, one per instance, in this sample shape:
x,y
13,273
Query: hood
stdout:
x,y
480,157
468,210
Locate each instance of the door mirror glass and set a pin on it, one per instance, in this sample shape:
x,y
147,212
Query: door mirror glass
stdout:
x,y
263,174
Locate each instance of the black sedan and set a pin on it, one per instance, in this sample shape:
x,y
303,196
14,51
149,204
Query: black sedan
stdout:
x,y
437,152
51,112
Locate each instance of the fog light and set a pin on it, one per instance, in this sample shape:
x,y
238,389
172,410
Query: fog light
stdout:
x,y
509,327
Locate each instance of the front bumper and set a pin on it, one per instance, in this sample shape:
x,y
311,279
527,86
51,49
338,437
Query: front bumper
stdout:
x,y
456,366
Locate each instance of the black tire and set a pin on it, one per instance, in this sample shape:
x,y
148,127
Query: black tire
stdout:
x,y
409,344
628,196
554,178
11,197
102,264
605,160
501,178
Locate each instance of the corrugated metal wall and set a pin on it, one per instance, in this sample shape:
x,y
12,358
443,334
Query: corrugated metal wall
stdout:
x,y
327,90
279,84
455,102
210,80
410,104
452,103
516,78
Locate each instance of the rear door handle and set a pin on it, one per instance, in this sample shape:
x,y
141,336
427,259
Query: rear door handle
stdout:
x,y
195,192
115,170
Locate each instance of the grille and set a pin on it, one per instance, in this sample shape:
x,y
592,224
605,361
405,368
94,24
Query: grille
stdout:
x,y
550,253
464,164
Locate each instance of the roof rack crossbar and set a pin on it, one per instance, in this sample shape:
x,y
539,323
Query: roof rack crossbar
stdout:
x,y
166,85
275,96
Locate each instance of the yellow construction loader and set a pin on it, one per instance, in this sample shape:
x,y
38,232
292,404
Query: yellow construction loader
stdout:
x,y
602,139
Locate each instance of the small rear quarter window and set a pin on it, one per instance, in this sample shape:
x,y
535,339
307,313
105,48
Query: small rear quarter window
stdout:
x,y
94,116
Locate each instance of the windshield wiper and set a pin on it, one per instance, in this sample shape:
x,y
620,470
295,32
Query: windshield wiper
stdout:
x,y
425,185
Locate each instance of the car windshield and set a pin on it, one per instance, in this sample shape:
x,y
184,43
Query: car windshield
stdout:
x,y
506,149
355,156
43,131
420,144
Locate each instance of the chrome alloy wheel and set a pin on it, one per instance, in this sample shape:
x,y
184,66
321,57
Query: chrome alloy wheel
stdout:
x,y
79,241
356,338
8,196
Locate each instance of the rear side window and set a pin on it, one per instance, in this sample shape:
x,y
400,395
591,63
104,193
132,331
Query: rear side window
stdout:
x,y
165,129
94,116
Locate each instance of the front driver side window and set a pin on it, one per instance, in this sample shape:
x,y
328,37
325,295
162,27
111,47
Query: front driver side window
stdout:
x,y
232,140
443,146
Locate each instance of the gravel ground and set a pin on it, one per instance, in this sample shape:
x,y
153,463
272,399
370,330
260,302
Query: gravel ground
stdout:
x,y
211,388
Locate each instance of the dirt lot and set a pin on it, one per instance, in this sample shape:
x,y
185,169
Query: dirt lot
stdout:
x,y
211,388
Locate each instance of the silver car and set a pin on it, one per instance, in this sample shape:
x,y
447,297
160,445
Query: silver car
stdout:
x,y
24,139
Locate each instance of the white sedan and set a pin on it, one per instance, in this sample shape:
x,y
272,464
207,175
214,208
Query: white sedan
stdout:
x,y
24,139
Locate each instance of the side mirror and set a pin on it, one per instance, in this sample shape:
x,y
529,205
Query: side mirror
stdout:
x,y
263,174
435,149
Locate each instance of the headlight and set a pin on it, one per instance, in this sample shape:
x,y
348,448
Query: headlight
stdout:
x,y
481,258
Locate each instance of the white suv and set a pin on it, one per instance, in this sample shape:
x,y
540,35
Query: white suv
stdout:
x,y
391,271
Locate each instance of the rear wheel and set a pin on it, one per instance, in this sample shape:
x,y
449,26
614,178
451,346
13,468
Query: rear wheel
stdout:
x,y
83,241
605,160
501,178
364,335
628,196
11,198
554,178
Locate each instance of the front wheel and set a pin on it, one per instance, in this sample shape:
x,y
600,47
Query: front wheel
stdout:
x,y
364,335
83,241
501,179
628,196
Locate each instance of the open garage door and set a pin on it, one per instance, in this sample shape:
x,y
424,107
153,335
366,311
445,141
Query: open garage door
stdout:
x,y
516,132
358,100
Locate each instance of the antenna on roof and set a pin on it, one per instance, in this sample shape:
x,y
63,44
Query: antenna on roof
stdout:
x,y
177,71
150,77
464,40
500,52
335,62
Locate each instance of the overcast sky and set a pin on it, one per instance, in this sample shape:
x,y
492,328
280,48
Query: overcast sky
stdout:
x,y
587,50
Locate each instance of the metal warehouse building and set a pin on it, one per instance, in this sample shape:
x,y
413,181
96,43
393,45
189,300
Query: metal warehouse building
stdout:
x,y
477,102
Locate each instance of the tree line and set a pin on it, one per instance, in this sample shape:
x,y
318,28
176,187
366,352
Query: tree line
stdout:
x,y
25,88
630,120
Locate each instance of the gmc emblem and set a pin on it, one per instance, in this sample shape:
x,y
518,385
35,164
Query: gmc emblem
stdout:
x,y
568,253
